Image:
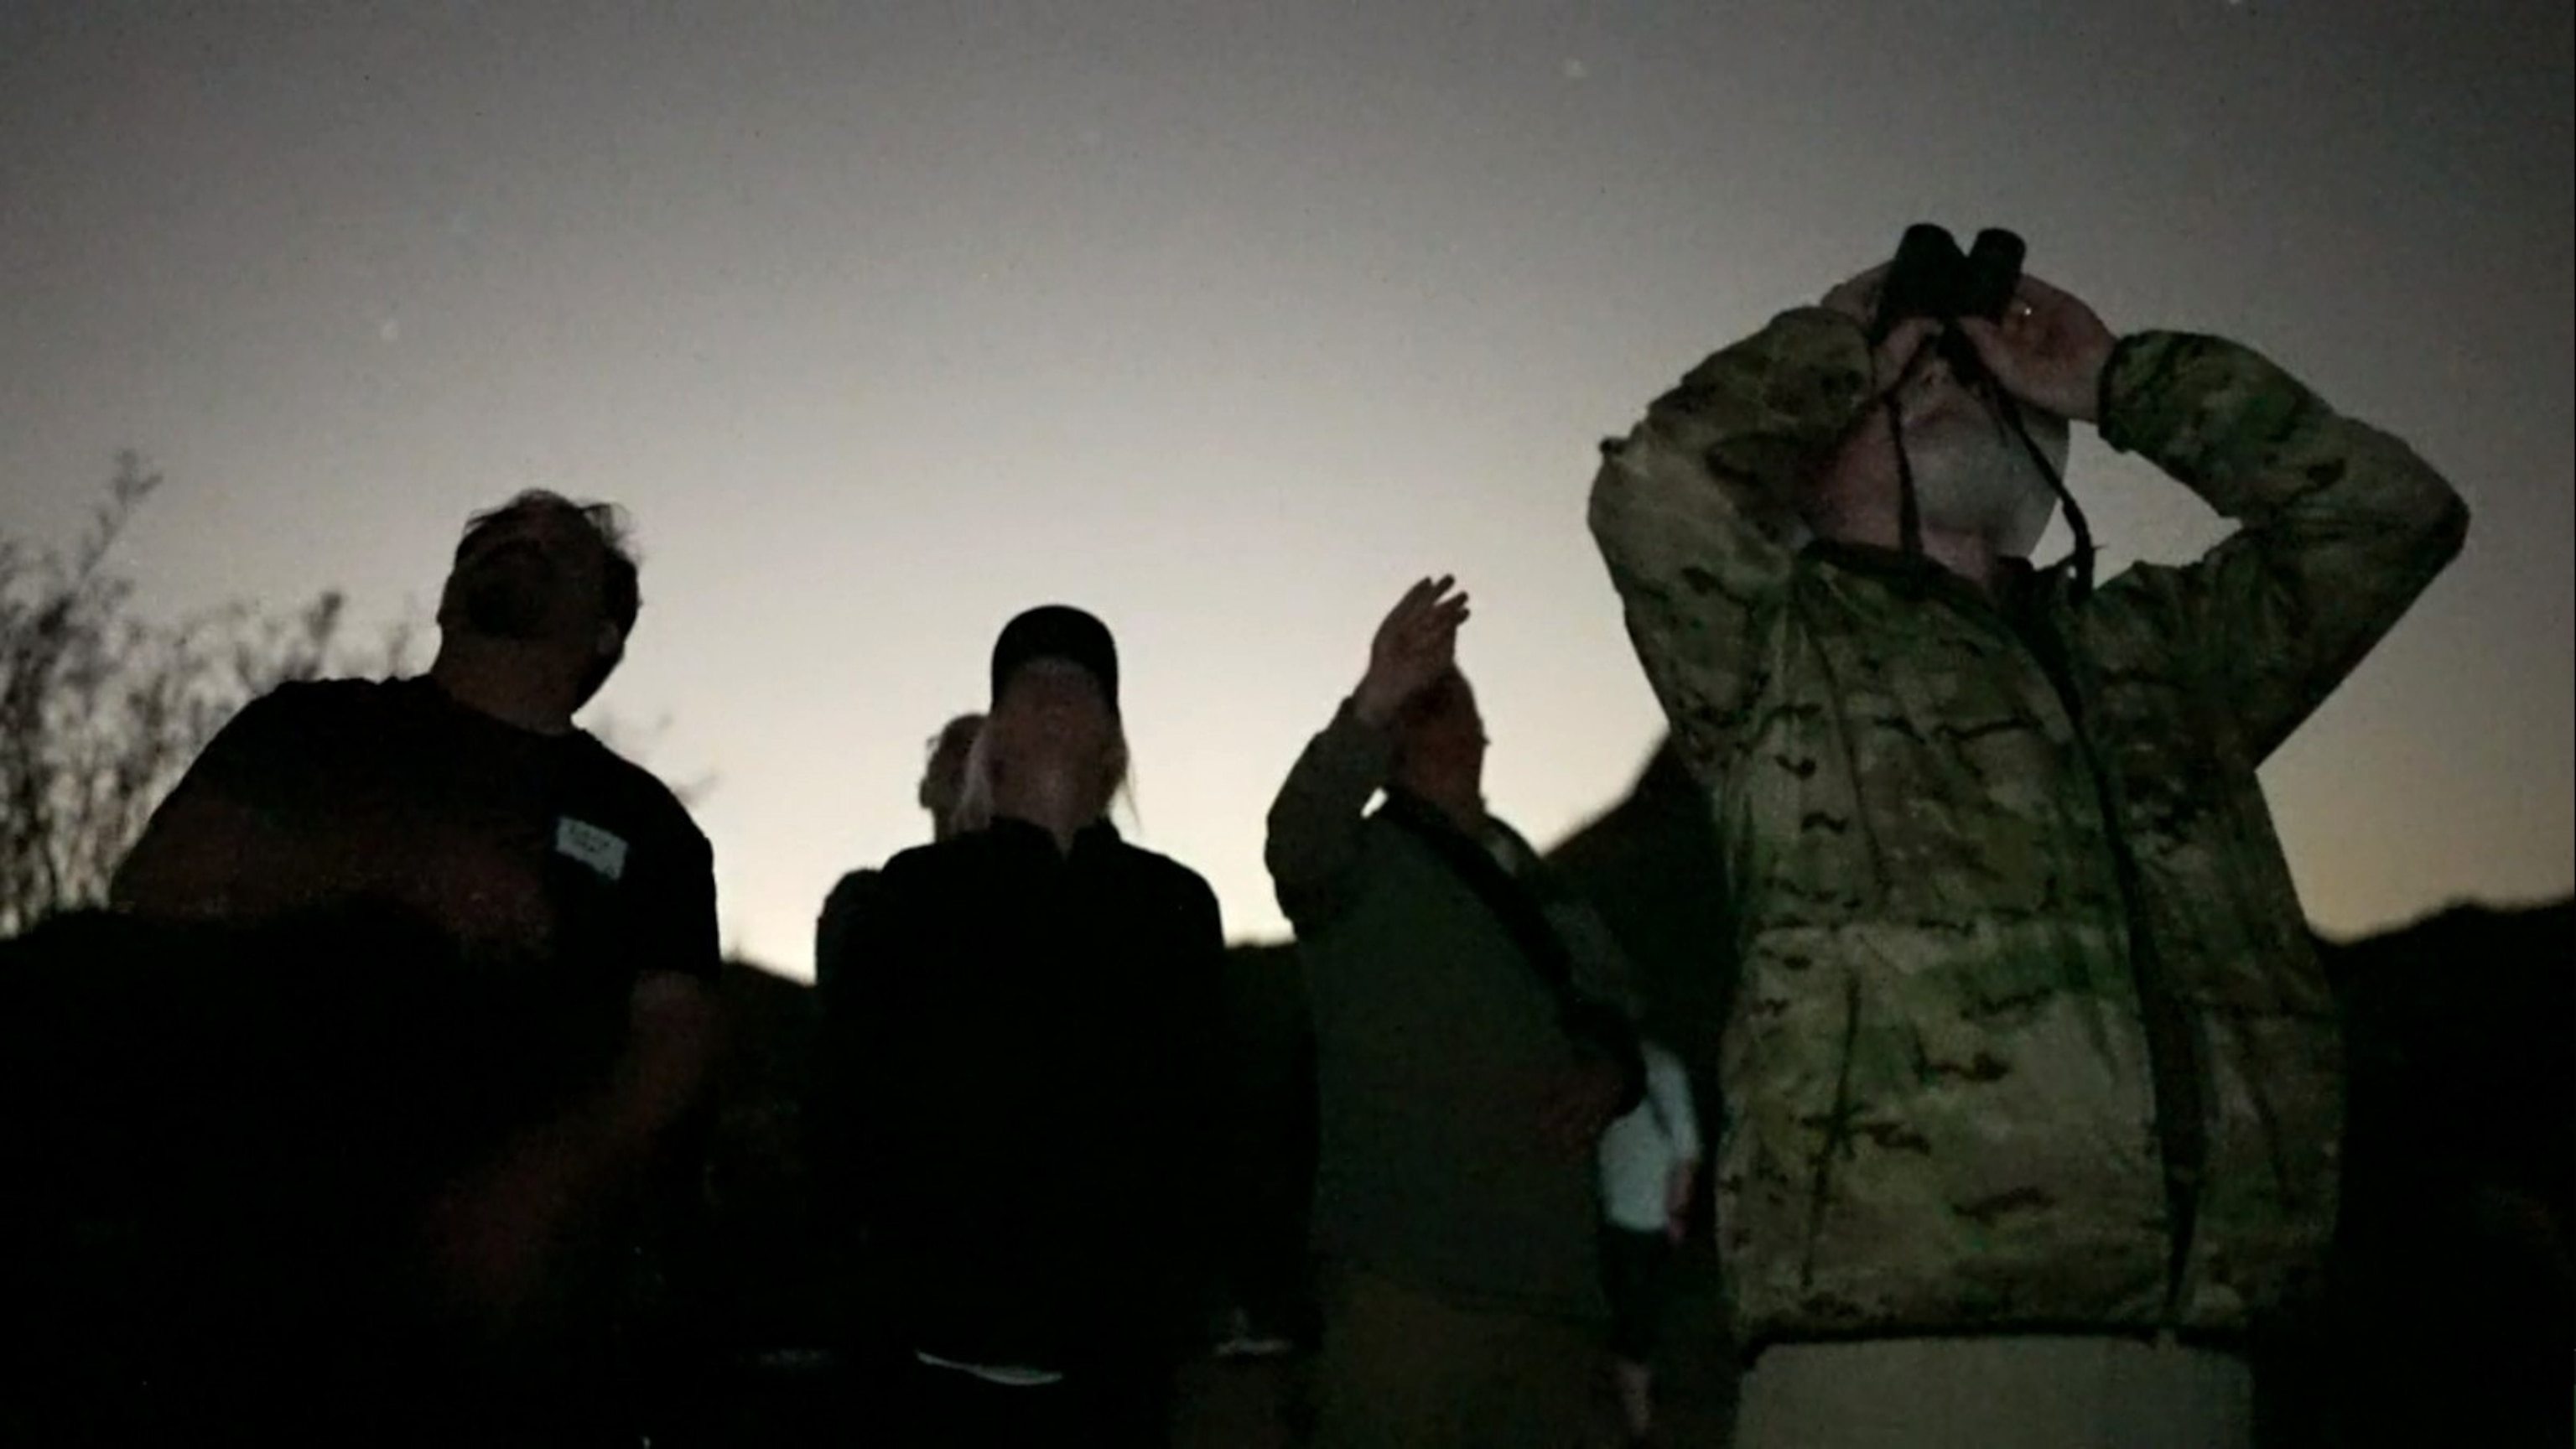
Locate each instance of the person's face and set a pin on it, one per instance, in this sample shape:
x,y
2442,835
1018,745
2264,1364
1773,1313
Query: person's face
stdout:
x,y
532,573
1972,475
1441,742
1053,719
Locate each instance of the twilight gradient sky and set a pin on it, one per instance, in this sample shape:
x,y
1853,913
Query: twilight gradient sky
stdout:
x,y
1227,320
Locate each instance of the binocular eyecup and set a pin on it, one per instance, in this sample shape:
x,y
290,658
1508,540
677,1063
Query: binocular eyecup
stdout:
x,y
1932,278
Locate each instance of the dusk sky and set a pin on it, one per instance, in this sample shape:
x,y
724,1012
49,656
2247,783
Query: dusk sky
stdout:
x,y
1227,321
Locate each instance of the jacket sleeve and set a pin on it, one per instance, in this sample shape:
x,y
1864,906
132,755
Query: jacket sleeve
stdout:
x,y
1694,511
1313,844
2342,527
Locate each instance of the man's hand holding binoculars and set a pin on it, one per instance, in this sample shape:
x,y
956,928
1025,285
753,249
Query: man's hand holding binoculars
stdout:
x,y
2047,352
2042,346
1892,356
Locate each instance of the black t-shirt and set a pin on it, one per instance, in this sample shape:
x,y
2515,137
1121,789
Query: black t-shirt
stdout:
x,y
571,871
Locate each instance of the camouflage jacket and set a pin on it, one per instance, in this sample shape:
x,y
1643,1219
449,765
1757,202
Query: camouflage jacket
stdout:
x,y
2002,878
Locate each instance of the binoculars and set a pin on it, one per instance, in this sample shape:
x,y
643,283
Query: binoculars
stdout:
x,y
1932,278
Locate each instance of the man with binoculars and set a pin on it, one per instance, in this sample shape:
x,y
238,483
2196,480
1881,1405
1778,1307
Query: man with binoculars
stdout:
x,y
2033,1080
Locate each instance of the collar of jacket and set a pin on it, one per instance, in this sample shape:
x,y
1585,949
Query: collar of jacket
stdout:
x,y
1415,810
1421,813
1017,834
2018,593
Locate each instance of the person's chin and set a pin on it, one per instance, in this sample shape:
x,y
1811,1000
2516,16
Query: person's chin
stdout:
x,y
1946,417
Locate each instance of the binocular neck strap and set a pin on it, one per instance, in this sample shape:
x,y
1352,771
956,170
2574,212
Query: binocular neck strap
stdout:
x,y
2075,521
1909,512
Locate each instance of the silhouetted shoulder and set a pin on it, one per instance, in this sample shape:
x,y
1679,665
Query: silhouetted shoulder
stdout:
x,y
326,703
645,788
1168,877
288,731
914,862
852,887
343,694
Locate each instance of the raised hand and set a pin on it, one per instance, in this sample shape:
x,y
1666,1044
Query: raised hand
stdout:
x,y
2048,352
1416,643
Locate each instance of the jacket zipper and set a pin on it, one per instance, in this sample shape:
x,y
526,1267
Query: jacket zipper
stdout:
x,y
2173,1057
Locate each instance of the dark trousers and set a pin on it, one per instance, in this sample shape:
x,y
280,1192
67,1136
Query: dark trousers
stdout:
x,y
1404,1369
1636,1275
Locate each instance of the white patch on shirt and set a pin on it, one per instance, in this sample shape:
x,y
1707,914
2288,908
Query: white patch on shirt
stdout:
x,y
1009,1376
592,846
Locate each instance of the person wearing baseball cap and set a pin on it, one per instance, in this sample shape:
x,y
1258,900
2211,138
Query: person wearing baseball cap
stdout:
x,y
1030,1038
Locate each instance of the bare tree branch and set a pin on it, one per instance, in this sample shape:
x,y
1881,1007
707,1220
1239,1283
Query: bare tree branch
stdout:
x,y
101,711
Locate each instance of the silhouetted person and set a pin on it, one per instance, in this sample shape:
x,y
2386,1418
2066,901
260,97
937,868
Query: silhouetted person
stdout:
x,y
1027,1035
215,1137
943,781
579,895
2032,1078
1466,1062
942,787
